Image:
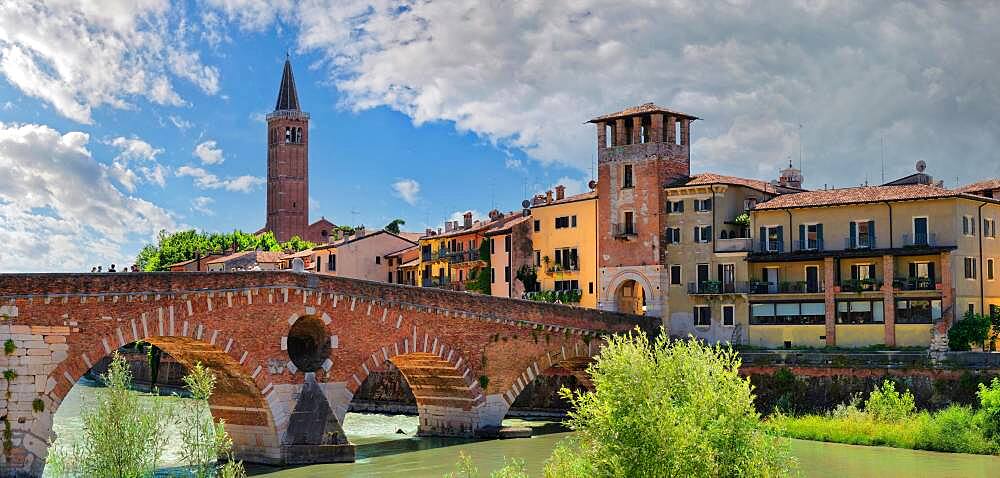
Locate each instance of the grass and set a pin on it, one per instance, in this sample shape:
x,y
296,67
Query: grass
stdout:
x,y
954,429
888,418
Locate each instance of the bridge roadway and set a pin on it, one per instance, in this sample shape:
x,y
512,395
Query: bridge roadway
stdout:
x,y
289,350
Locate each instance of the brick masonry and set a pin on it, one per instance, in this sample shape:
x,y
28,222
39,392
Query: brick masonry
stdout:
x,y
237,323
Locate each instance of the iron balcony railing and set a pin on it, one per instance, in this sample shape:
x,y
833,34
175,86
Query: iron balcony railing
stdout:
x,y
623,230
806,245
769,246
786,287
718,287
860,285
435,282
915,283
860,242
919,239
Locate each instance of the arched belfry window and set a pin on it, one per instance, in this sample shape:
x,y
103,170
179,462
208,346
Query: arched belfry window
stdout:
x,y
298,135
288,134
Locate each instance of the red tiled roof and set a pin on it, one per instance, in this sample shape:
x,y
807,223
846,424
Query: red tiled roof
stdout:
x,y
859,195
568,199
712,178
641,109
505,227
265,257
980,186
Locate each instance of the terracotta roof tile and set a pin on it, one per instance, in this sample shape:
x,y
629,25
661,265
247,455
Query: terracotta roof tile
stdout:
x,y
859,195
712,178
980,186
568,199
641,109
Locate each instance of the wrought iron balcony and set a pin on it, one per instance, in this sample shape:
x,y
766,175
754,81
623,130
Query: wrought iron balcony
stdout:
x,y
786,287
860,285
861,242
808,245
920,240
717,287
769,246
915,283
623,230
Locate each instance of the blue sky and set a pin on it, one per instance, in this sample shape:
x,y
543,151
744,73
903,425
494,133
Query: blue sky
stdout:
x,y
120,118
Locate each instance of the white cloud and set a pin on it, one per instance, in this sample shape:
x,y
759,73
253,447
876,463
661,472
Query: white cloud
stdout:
x,y
181,123
209,152
573,186
527,74
205,180
59,208
407,190
136,154
80,55
203,204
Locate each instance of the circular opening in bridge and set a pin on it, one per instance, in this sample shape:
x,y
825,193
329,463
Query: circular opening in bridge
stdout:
x,y
308,344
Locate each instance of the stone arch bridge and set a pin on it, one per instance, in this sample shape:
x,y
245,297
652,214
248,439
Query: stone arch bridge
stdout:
x,y
289,351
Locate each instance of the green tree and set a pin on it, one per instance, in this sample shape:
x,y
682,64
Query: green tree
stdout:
x,y
186,245
973,329
667,409
123,436
204,439
393,226
481,282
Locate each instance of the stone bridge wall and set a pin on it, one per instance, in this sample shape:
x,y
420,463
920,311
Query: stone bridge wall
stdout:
x,y
446,344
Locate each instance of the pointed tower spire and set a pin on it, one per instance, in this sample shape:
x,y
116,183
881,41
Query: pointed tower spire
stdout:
x,y
288,97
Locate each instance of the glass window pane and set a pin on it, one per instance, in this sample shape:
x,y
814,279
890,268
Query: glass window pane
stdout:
x,y
936,309
813,308
763,310
842,306
788,309
861,306
876,307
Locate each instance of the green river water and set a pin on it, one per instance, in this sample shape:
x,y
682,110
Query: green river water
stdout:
x,y
381,452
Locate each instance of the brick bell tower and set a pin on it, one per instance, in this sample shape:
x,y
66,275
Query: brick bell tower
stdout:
x,y
640,150
288,163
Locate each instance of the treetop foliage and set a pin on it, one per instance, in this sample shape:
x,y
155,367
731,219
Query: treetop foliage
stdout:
x,y
185,245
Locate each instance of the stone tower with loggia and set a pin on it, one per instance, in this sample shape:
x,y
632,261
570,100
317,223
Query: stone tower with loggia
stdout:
x,y
640,150
288,163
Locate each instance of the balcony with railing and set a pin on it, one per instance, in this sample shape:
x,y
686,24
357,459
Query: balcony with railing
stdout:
x,y
808,245
435,282
711,287
861,285
457,257
769,246
920,240
787,287
622,231
557,267
860,242
736,244
915,283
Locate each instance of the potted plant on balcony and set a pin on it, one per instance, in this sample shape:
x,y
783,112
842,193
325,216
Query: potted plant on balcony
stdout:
x,y
711,287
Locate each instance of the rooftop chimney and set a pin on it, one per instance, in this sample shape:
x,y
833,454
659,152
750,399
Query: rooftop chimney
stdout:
x,y
429,232
548,197
560,192
467,218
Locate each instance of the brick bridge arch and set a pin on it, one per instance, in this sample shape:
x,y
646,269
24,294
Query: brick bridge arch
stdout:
x,y
444,343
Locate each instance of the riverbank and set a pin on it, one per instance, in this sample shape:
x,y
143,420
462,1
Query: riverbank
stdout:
x,y
952,430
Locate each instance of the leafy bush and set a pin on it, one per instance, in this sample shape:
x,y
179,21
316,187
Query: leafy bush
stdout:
x,y
989,401
551,296
953,429
885,404
9,347
122,437
973,329
203,438
667,409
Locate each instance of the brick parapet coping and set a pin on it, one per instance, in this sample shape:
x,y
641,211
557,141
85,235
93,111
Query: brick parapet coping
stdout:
x,y
558,317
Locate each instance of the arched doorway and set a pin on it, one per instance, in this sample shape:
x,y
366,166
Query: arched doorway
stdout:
x,y
631,297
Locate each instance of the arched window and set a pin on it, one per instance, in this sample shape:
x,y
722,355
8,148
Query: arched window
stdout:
x,y
298,135
288,134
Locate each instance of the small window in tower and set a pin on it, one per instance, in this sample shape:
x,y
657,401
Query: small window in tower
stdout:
x,y
645,135
609,135
293,204
288,134
677,132
628,131
298,135
627,176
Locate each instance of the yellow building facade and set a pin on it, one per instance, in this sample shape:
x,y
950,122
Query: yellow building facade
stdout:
x,y
564,244
881,265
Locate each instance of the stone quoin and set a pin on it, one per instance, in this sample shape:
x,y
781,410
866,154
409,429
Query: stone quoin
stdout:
x,y
288,349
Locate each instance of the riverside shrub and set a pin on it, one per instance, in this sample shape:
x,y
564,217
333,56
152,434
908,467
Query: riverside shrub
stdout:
x,y
885,404
663,409
989,401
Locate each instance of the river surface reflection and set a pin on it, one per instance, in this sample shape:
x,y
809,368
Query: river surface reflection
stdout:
x,y
382,452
